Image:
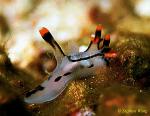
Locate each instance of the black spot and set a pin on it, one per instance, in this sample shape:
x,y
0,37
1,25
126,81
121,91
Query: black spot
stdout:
x,y
91,66
68,73
58,78
38,88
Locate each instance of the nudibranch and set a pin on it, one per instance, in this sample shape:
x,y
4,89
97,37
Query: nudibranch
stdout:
x,y
70,66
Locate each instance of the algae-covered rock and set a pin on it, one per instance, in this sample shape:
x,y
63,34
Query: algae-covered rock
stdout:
x,y
134,56
126,100
13,83
10,102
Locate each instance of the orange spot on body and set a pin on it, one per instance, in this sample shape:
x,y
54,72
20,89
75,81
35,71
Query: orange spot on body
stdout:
x,y
43,31
110,54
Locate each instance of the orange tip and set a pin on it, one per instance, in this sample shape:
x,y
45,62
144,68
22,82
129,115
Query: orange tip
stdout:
x,y
99,27
110,54
43,31
107,37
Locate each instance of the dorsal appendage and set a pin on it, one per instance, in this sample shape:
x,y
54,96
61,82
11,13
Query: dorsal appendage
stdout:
x,y
70,66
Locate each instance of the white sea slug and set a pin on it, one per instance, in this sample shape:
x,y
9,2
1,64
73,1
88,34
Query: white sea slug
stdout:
x,y
70,66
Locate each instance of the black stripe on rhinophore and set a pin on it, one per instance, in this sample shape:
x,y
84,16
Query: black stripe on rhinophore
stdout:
x,y
49,38
106,42
98,34
38,88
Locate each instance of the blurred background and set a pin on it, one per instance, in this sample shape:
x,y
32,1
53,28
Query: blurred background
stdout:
x,y
26,60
